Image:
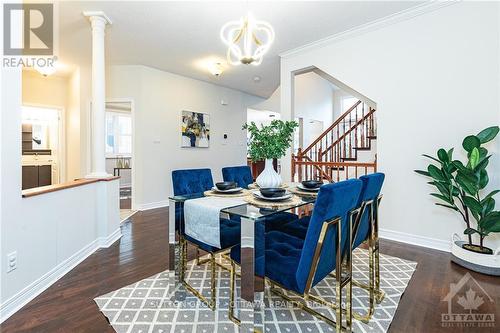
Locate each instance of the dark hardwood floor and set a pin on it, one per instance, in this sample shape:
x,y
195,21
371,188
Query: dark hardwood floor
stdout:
x,y
68,306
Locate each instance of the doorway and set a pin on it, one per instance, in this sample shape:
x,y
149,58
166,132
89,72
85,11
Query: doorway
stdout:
x,y
119,151
43,151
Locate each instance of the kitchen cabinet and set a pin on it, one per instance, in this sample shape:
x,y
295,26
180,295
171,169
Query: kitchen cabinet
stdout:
x,y
36,176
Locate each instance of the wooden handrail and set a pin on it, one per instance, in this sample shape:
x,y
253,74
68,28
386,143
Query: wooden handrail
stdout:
x,y
338,164
62,186
331,127
372,111
335,171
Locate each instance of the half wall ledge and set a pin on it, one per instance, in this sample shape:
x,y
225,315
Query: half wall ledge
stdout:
x,y
58,187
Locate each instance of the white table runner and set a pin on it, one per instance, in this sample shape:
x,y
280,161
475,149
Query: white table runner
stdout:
x,y
202,218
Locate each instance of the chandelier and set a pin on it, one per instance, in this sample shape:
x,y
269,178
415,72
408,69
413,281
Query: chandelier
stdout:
x,y
247,40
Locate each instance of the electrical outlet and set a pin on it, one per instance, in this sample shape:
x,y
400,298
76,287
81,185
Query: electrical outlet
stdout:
x,y
11,261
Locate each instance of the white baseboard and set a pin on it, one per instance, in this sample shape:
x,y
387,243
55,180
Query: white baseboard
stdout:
x,y
152,205
105,242
433,243
16,302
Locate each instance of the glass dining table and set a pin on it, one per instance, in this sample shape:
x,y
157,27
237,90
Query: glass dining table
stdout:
x,y
251,297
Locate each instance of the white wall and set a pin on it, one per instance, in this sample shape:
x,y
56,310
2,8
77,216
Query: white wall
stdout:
x,y
262,117
271,104
313,103
47,91
338,96
159,97
435,79
313,98
51,232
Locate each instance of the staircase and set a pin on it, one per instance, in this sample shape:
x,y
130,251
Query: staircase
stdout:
x,y
333,156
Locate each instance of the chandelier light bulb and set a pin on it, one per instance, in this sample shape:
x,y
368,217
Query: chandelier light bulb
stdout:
x,y
248,40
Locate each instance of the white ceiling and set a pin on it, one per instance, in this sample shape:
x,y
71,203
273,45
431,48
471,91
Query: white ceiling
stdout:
x,y
178,36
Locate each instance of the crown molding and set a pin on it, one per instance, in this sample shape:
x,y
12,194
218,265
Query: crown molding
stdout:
x,y
401,16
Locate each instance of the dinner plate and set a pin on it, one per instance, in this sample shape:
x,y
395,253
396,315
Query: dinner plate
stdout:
x,y
233,190
258,195
303,188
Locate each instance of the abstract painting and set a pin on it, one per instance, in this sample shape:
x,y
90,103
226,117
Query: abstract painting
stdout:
x,y
195,129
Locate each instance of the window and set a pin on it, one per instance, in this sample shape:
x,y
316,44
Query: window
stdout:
x,y
118,134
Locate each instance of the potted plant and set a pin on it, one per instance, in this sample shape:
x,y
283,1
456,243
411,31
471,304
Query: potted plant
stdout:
x,y
267,143
460,188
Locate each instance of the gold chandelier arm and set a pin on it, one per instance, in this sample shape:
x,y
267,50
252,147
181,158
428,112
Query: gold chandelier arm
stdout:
x,y
238,36
256,40
245,45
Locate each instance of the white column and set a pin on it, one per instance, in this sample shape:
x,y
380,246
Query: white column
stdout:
x,y
98,21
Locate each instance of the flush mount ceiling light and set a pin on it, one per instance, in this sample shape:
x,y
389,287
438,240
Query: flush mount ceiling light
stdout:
x,y
247,39
216,69
47,69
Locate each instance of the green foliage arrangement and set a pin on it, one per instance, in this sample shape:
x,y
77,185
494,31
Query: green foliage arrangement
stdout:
x,y
460,185
271,141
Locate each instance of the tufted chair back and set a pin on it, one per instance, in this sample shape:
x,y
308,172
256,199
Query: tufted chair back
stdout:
x,y
240,174
372,184
334,200
190,181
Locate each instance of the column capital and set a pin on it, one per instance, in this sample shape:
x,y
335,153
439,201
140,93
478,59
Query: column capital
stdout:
x,y
97,16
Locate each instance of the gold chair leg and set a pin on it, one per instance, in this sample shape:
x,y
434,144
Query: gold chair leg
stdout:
x,y
349,312
379,294
306,308
365,318
197,256
232,290
183,246
213,289
338,301
204,261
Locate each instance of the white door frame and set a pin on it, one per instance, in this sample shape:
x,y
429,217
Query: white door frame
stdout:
x,y
133,204
61,135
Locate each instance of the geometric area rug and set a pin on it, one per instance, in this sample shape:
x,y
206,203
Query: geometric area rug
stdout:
x,y
145,306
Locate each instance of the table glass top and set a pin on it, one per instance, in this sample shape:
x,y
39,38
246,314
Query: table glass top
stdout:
x,y
248,210
186,197
253,212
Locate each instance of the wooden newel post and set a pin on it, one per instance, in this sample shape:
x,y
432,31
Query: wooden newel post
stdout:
x,y
299,165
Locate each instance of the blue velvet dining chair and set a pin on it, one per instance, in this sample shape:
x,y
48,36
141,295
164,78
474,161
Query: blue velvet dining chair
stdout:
x,y
193,181
189,181
297,265
239,174
365,230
